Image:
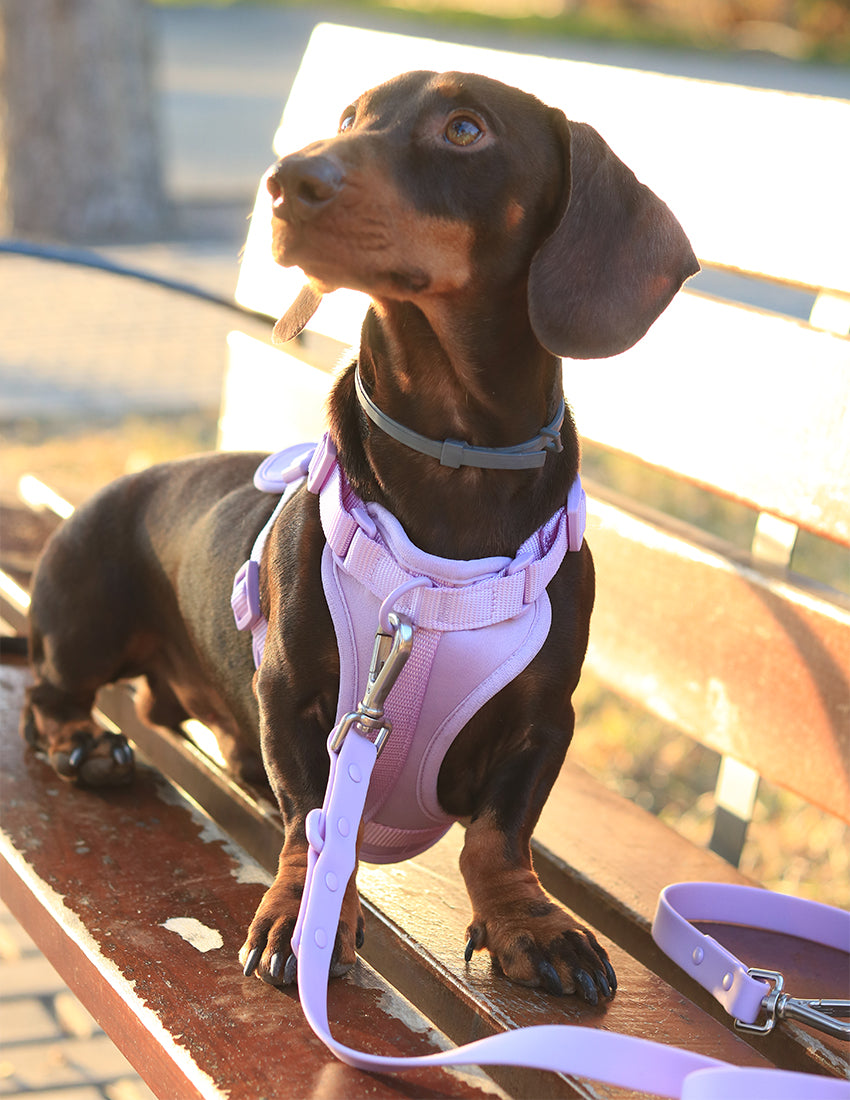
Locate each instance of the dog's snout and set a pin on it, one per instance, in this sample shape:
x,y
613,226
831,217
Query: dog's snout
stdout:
x,y
301,185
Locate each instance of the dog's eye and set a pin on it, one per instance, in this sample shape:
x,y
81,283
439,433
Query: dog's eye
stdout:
x,y
463,130
347,120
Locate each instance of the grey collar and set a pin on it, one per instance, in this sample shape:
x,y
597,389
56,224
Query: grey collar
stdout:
x,y
455,453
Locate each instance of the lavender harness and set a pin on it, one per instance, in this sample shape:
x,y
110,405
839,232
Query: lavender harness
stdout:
x,y
476,625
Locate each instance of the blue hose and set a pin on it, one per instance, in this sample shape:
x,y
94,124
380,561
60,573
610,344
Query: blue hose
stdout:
x,y
83,257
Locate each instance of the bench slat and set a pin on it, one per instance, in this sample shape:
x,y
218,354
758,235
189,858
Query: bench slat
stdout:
x,y
708,393
95,878
422,954
749,665
692,418
426,899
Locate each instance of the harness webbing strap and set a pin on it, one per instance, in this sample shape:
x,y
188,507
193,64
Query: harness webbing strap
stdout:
x,y
455,605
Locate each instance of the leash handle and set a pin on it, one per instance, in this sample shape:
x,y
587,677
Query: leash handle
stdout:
x,y
745,992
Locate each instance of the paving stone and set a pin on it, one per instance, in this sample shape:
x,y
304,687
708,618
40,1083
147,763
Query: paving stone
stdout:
x,y
42,1066
31,975
73,1018
129,1088
97,1058
66,1064
27,1019
9,1083
14,941
87,1092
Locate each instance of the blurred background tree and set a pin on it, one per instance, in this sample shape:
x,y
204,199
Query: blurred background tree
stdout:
x,y
797,29
79,143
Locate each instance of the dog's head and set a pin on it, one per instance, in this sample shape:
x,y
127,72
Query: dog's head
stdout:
x,y
455,184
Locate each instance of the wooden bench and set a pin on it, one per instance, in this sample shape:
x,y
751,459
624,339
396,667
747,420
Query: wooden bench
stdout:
x,y
731,645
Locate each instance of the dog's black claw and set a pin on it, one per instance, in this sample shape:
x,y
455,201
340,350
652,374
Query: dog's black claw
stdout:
x,y
586,986
602,985
122,754
469,949
550,979
276,965
611,976
290,971
253,961
78,755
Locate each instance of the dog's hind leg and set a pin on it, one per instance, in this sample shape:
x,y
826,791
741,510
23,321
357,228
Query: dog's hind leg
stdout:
x,y
79,641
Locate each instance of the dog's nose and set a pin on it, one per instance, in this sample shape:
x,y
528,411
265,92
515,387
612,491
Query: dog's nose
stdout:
x,y
302,184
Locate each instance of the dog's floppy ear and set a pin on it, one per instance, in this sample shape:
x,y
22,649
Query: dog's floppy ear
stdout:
x,y
613,263
299,313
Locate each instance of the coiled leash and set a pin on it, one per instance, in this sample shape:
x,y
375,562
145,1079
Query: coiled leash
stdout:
x,y
578,1051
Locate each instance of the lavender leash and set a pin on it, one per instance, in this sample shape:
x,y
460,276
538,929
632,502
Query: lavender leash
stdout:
x,y
577,1051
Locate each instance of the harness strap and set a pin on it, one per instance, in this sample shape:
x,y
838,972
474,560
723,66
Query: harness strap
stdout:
x,y
578,1051
456,605
282,472
459,604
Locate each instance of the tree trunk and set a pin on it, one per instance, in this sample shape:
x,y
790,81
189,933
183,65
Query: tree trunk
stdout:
x,y
79,148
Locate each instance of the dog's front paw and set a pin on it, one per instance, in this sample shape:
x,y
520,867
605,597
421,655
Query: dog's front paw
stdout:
x,y
536,943
267,950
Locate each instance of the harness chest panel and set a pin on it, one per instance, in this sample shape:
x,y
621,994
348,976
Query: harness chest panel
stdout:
x,y
477,625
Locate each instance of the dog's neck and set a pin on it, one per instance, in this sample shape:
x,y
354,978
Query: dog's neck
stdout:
x,y
445,376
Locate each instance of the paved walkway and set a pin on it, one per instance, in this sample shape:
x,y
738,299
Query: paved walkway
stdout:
x,y
51,1047
76,343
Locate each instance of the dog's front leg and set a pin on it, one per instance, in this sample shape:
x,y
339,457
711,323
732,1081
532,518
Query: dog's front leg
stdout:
x,y
296,689
267,949
530,937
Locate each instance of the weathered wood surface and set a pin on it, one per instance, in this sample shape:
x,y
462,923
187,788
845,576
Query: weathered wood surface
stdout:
x,y
417,914
96,877
425,900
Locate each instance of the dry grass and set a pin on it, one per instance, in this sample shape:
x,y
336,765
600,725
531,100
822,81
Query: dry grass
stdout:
x,y
75,461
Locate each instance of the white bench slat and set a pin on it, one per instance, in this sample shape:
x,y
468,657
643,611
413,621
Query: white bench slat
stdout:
x,y
709,391
747,663
682,137
271,399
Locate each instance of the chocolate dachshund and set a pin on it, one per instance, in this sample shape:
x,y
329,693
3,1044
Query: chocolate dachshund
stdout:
x,y
493,236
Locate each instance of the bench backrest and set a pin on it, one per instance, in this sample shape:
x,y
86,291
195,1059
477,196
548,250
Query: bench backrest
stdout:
x,y
728,644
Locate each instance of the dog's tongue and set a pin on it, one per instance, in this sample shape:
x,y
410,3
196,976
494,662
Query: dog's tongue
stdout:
x,y
298,314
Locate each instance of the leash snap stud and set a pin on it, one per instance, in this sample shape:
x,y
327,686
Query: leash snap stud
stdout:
x,y
389,657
